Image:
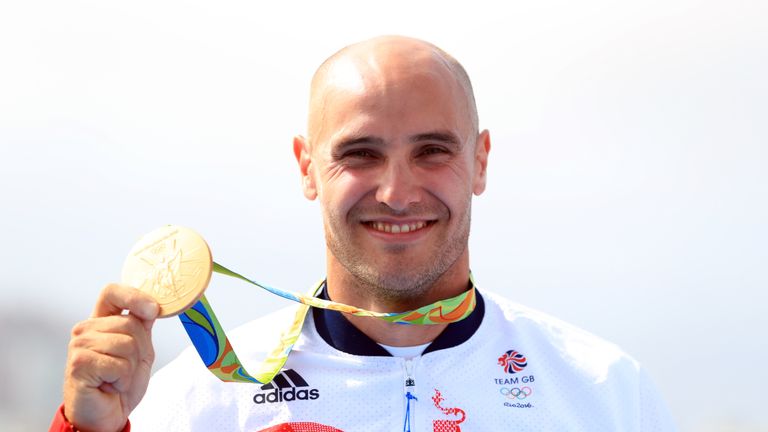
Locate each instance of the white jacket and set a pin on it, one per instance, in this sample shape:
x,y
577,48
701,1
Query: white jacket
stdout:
x,y
505,368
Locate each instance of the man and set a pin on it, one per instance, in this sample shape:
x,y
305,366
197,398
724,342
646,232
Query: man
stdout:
x,y
393,154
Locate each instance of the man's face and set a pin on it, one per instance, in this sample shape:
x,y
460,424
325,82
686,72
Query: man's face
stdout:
x,y
394,163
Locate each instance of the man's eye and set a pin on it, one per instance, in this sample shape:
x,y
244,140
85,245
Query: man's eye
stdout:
x,y
362,154
434,150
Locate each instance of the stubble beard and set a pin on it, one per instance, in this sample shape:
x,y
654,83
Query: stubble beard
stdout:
x,y
399,279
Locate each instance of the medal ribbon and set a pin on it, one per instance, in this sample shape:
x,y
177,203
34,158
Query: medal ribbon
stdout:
x,y
214,348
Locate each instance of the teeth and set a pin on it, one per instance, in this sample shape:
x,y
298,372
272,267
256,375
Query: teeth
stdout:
x,y
397,229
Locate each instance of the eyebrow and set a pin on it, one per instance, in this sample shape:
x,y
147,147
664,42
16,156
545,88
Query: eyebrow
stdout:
x,y
354,140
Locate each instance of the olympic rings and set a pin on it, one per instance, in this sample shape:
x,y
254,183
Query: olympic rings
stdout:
x,y
516,393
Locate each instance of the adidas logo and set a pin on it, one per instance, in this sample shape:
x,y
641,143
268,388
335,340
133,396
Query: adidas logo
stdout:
x,y
285,387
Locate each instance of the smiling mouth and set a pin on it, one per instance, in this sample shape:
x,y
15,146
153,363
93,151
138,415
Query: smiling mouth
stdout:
x,y
393,228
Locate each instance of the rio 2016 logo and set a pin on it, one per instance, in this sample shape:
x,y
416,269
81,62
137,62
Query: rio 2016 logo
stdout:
x,y
513,361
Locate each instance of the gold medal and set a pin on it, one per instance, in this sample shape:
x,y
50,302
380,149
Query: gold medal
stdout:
x,y
173,264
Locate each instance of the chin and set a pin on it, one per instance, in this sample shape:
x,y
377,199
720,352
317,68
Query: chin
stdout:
x,y
397,284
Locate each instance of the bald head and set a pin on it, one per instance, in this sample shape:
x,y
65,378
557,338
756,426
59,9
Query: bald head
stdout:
x,y
376,64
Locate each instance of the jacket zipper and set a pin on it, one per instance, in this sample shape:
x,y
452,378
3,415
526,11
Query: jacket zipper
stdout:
x,y
409,391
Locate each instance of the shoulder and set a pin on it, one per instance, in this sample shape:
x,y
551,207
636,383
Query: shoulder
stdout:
x,y
557,341
559,376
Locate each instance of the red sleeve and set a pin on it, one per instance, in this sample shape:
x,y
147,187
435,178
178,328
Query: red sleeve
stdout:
x,y
61,424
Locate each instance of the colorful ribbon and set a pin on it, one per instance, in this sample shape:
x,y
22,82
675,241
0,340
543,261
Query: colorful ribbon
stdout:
x,y
219,357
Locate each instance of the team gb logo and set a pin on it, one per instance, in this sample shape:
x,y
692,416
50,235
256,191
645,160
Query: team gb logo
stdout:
x,y
513,361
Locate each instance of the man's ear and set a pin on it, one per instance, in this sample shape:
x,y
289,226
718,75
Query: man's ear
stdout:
x,y
302,153
482,148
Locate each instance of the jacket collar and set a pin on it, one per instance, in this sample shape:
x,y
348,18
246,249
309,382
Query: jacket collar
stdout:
x,y
339,333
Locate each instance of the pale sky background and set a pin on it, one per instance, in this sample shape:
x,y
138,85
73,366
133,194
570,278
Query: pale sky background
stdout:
x,y
627,179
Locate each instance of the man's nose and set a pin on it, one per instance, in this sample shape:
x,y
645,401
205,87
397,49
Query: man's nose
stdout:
x,y
398,186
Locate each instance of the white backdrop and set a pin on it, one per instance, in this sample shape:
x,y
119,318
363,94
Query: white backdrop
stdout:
x,y
627,179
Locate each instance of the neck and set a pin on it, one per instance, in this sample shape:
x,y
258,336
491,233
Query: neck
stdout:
x,y
345,288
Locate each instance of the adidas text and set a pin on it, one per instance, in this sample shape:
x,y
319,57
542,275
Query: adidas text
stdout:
x,y
280,395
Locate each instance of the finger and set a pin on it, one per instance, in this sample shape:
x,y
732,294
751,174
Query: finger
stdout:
x,y
111,344
117,335
115,298
108,388
93,369
115,345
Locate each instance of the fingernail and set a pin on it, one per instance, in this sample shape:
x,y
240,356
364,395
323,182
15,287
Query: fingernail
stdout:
x,y
149,310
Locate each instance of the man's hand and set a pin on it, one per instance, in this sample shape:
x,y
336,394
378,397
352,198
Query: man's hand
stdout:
x,y
110,359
